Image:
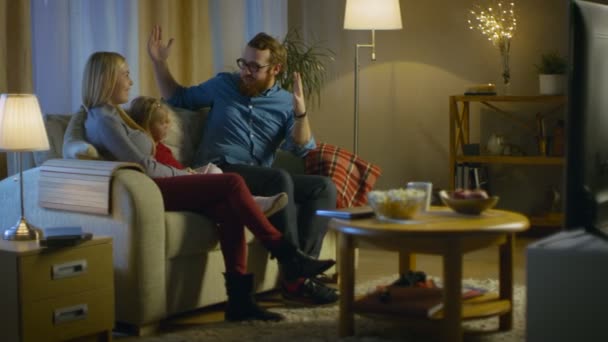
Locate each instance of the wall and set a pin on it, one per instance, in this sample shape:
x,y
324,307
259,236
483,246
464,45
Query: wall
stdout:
x,y
404,94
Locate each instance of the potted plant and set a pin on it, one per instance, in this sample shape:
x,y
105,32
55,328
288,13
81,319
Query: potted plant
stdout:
x,y
309,59
551,70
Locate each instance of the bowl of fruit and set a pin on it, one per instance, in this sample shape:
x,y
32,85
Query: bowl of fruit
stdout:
x,y
470,202
396,204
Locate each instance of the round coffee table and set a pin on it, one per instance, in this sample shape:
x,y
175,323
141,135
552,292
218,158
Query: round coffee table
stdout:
x,y
442,232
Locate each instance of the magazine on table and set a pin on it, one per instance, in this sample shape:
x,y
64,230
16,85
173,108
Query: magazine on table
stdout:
x,y
347,213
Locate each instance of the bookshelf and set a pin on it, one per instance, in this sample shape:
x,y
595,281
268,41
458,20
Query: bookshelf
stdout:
x,y
460,125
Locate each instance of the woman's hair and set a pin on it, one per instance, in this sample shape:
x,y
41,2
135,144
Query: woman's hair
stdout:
x,y
145,110
100,75
278,53
99,78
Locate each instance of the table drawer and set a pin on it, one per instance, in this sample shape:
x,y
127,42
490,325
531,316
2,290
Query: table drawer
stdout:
x,y
62,318
64,271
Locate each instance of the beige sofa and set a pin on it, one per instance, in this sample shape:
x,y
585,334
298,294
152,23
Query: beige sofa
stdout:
x,y
165,263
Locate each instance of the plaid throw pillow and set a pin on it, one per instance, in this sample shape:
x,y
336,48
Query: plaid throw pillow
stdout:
x,y
353,176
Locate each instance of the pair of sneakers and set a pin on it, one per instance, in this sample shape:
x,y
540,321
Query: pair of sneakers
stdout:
x,y
308,292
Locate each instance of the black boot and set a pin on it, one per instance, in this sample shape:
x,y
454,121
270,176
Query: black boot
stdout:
x,y
295,264
241,304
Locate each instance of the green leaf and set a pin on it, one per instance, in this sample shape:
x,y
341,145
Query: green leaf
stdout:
x,y
309,59
552,63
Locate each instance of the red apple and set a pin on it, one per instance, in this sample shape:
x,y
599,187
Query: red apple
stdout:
x,y
478,193
469,194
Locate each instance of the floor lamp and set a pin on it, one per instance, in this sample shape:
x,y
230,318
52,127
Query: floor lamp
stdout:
x,y
21,130
369,15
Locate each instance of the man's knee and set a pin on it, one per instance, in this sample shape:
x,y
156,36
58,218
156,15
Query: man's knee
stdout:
x,y
326,188
282,179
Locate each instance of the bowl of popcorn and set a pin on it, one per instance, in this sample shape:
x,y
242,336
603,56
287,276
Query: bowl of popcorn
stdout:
x,y
470,202
396,204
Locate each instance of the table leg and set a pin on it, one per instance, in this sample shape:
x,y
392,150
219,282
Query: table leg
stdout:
x,y
452,310
347,285
505,279
407,262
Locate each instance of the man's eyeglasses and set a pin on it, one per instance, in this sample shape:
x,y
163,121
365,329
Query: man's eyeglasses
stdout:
x,y
253,67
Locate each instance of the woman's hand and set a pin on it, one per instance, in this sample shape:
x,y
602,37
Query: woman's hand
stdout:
x,y
299,104
157,50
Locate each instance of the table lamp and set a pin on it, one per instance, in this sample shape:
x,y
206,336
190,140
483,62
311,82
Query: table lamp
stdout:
x,y
369,15
21,130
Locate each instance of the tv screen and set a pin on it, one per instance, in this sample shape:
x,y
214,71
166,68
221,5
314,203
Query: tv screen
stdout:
x,y
587,119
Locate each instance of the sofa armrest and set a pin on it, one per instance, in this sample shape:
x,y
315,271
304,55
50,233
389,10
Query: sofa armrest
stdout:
x,y
136,224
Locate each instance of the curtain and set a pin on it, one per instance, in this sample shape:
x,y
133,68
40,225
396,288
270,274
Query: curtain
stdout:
x,y
235,22
15,53
187,21
66,33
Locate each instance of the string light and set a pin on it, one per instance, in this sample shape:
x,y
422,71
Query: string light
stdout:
x,y
496,21
498,26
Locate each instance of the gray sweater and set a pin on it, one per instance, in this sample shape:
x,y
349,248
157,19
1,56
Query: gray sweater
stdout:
x,y
106,130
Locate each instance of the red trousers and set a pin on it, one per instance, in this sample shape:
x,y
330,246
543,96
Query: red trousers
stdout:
x,y
225,199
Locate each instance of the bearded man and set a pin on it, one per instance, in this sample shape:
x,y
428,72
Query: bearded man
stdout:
x,y
251,117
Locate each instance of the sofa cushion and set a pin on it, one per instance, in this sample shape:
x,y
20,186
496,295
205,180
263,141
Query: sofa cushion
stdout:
x,y
55,125
74,145
185,133
183,137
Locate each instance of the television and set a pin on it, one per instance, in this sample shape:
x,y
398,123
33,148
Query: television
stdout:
x,y
586,180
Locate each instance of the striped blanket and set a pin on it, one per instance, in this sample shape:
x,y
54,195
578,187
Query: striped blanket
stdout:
x,y
353,176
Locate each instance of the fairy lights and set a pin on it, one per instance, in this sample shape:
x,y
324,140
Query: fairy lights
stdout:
x,y
496,21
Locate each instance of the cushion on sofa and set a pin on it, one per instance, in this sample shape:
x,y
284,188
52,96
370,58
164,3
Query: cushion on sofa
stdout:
x,y
185,133
66,139
55,125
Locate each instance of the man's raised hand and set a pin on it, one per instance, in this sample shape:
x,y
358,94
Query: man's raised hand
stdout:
x,y
157,50
299,104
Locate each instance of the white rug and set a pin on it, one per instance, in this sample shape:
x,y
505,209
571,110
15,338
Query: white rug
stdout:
x,y
320,324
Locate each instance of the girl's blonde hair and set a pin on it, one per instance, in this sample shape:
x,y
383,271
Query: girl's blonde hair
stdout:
x,y
145,110
100,75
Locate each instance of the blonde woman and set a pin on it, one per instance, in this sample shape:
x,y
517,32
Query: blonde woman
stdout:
x,y
222,197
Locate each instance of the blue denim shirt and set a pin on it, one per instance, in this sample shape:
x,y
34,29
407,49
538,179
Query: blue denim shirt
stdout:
x,y
241,129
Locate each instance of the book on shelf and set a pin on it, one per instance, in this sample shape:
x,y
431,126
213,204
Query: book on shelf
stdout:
x,y
347,213
410,301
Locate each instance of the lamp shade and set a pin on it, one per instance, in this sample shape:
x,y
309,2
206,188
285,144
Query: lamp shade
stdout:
x,y
21,124
372,15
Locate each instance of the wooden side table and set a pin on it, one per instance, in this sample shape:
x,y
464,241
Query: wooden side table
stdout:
x,y
440,232
56,294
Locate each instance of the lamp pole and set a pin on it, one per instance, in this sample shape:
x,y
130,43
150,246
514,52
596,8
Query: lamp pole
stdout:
x,y
356,115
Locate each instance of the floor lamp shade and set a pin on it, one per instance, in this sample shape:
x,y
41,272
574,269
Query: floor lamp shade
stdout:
x,y
369,15
21,129
372,15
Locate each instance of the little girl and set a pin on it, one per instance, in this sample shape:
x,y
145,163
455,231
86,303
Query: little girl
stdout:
x,y
153,116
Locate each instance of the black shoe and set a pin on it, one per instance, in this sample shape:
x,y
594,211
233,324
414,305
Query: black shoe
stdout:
x,y
241,304
310,292
294,264
301,265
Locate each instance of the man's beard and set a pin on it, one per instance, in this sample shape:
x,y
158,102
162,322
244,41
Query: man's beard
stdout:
x,y
254,87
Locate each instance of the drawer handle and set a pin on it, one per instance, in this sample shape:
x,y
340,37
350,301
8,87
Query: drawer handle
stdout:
x,y
69,269
70,314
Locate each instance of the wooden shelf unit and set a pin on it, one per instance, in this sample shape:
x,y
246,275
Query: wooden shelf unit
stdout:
x,y
460,134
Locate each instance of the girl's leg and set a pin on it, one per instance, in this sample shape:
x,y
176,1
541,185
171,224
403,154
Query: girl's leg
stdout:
x,y
225,199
